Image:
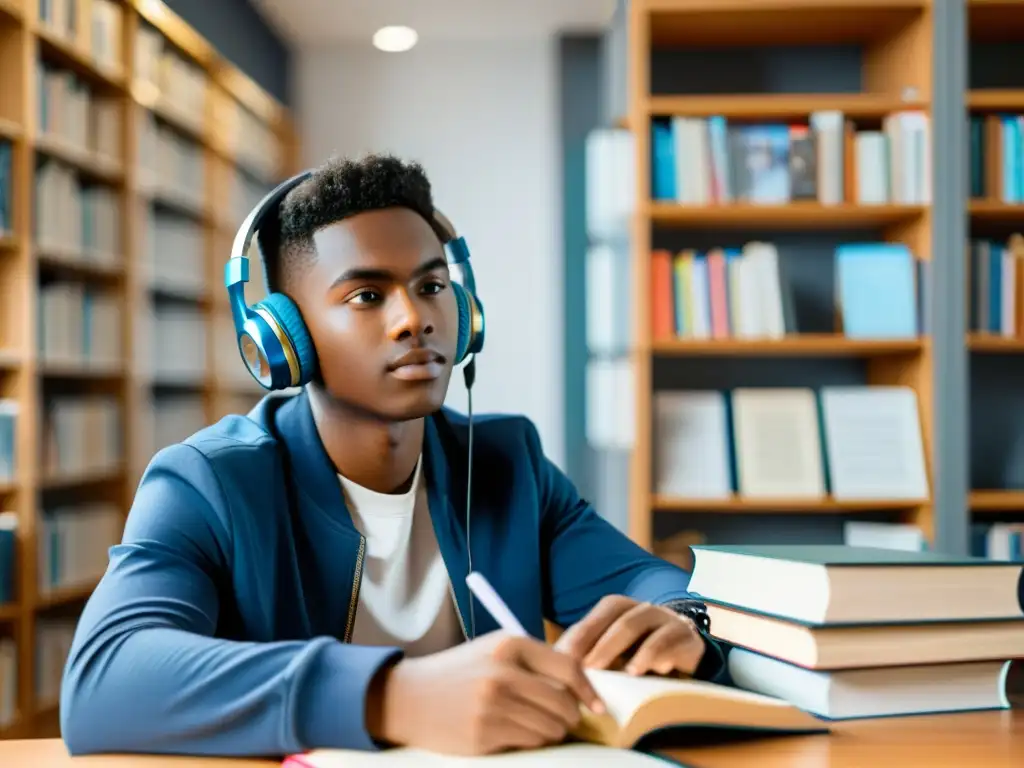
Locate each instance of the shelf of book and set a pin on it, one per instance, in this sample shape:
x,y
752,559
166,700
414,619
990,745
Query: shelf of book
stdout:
x,y
129,151
753,304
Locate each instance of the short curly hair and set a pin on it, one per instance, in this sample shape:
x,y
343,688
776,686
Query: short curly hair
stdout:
x,y
338,189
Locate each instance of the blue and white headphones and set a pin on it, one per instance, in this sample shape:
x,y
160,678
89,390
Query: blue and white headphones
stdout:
x,y
272,338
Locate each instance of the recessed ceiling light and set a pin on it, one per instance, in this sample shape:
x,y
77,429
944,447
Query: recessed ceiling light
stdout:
x,y
395,39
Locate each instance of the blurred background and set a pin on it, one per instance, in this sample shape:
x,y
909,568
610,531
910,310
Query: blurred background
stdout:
x,y
751,267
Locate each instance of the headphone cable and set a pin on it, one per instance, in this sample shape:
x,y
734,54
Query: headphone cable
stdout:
x,y
469,375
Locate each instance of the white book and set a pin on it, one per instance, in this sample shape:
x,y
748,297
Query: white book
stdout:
x,y
691,440
874,444
778,448
872,160
828,132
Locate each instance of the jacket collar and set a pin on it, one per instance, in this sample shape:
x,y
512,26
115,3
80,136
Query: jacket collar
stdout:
x,y
314,482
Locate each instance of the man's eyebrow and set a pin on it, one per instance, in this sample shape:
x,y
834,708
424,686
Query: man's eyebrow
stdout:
x,y
387,275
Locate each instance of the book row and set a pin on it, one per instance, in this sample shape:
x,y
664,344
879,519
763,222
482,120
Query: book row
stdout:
x,y
996,157
79,325
52,639
72,116
72,544
174,253
995,278
172,166
849,443
80,436
75,217
165,78
62,18
706,161
748,292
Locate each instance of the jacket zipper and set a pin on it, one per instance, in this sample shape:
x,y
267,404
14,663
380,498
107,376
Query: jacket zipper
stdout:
x,y
451,590
353,602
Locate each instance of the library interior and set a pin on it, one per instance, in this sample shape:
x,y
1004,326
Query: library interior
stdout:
x,y
707,271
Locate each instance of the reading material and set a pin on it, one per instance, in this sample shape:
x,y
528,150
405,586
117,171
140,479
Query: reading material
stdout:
x,y
641,706
637,707
916,689
563,756
842,585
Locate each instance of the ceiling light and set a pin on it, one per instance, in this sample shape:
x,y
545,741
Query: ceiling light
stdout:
x,y
395,39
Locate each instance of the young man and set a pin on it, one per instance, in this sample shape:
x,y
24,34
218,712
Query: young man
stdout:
x,y
296,578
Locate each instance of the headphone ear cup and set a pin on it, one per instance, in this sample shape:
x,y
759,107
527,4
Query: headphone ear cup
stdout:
x,y
290,319
463,303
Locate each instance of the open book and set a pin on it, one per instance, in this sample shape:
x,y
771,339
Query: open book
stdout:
x,y
640,706
637,707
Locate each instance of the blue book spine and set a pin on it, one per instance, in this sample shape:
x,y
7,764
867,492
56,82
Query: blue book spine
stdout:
x,y
1009,135
663,161
6,565
995,289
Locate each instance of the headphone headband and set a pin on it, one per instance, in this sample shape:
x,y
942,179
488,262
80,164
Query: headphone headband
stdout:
x,y
272,337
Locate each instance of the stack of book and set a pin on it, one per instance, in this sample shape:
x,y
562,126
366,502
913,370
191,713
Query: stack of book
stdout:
x,y
849,632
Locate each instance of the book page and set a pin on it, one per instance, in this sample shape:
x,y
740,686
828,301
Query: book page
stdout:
x,y
624,694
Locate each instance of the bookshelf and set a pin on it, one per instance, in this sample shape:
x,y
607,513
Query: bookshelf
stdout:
x,y
790,62
130,150
695,71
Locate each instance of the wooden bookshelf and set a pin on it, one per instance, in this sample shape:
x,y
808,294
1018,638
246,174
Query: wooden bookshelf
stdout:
x,y
141,124
896,75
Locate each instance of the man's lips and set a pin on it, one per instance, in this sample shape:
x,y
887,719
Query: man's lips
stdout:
x,y
417,365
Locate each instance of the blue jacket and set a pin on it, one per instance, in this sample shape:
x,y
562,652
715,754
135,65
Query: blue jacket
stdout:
x,y
220,626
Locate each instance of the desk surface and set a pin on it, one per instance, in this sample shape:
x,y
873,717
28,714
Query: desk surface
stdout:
x,y
978,740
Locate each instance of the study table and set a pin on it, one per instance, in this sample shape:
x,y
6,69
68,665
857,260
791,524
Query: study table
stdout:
x,y
972,740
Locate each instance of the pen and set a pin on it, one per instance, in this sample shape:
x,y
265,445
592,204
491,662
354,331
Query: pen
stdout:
x,y
495,606
481,587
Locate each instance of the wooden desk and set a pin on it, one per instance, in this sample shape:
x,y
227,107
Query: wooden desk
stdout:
x,y
971,740
983,740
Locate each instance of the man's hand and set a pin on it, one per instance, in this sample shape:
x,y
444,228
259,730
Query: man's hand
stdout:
x,y
645,637
495,693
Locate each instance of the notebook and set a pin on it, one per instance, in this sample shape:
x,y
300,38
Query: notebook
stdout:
x,y
637,707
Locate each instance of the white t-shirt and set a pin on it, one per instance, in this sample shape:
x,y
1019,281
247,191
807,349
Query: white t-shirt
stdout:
x,y
404,595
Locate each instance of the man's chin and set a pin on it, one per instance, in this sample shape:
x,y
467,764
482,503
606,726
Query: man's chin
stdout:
x,y
417,409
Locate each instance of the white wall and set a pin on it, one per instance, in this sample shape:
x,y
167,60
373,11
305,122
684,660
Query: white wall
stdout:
x,y
482,119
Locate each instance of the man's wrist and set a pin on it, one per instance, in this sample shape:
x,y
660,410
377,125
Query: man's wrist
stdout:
x,y
380,704
694,610
712,661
